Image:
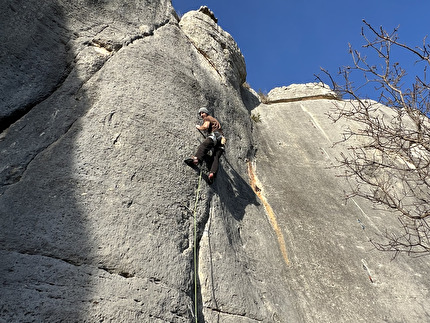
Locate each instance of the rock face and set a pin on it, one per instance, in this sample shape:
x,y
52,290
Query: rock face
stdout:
x,y
95,198
98,213
336,274
215,44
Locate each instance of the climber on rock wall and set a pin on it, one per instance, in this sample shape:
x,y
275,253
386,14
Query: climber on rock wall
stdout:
x,y
214,140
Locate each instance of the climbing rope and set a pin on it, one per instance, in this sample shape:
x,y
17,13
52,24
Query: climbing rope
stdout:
x,y
195,244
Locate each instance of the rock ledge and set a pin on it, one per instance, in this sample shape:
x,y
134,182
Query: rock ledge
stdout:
x,y
297,92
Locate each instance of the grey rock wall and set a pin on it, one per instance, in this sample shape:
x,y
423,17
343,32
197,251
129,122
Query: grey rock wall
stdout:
x,y
335,271
215,44
95,199
97,222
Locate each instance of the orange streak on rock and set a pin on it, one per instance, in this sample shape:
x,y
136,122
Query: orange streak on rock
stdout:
x,y
257,188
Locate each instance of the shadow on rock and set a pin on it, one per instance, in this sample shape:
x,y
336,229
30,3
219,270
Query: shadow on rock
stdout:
x,y
249,98
235,193
44,238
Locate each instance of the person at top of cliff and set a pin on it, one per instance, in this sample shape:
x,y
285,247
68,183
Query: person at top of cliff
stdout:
x,y
214,140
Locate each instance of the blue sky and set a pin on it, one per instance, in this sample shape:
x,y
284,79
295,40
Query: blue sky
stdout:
x,y
287,42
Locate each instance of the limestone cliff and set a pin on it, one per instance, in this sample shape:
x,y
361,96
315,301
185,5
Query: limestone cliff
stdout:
x,y
98,109
334,270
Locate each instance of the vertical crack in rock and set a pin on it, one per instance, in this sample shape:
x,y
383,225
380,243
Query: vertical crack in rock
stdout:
x,y
201,231
206,56
257,187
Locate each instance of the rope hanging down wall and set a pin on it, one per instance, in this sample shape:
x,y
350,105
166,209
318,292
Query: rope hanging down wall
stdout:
x,y
195,243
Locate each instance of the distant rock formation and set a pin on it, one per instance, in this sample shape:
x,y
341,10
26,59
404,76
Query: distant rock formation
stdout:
x,y
98,212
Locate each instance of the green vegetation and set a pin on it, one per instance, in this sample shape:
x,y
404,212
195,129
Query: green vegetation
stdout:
x,y
256,117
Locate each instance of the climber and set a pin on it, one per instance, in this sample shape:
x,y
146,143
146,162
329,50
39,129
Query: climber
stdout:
x,y
214,140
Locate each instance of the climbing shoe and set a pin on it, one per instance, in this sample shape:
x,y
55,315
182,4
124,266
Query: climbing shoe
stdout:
x,y
211,177
192,162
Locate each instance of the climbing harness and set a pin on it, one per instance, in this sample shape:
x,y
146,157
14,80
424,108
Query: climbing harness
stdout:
x,y
195,244
216,137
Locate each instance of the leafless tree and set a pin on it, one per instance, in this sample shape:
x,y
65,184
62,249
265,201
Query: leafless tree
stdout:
x,y
391,164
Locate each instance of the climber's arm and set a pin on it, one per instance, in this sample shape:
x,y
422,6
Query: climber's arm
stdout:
x,y
204,126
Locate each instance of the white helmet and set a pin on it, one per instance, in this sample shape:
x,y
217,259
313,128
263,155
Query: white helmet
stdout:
x,y
203,110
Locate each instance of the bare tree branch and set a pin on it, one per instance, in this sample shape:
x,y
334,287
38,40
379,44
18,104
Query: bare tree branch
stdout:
x,y
388,162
